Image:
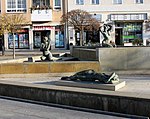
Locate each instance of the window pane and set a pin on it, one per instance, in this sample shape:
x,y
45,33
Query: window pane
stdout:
x,y
117,1
42,2
22,4
95,1
97,16
139,1
57,2
47,3
16,5
11,4
38,3
79,2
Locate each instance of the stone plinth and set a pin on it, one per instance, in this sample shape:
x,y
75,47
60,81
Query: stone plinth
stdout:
x,y
95,85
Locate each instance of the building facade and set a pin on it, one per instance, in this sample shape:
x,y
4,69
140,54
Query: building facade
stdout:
x,y
44,17
128,18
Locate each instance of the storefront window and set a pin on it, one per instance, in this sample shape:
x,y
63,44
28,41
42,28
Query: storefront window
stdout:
x,y
132,31
21,40
10,41
59,39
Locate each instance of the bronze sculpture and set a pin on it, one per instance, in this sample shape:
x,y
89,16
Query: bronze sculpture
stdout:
x,y
45,48
105,31
92,76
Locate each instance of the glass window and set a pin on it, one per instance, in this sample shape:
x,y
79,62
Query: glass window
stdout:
x,y
57,4
79,2
16,5
132,31
0,5
59,37
139,1
97,16
40,3
95,1
21,39
117,1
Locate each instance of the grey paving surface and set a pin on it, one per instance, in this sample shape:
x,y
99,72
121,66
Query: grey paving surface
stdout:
x,y
25,53
134,83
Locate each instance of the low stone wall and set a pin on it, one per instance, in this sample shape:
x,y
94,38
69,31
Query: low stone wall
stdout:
x,y
48,67
83,53
123,58
126,58
127,103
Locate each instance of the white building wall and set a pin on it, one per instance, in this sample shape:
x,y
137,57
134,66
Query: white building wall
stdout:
x,y
108,6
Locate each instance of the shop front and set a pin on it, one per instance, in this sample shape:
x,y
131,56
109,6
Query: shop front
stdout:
x,y
128,32
39,32
128,28
21,39
54,33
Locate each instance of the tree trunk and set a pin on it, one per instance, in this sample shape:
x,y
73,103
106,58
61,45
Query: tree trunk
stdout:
x,y
13,46
3,50
81,37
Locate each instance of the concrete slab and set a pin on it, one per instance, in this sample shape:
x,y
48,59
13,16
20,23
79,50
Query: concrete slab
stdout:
x,y
95,85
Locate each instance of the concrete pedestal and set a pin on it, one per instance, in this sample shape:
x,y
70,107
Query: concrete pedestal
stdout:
x,y
95,85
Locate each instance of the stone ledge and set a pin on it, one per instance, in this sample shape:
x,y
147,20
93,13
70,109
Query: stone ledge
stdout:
x,y
48,67
91,85
127,103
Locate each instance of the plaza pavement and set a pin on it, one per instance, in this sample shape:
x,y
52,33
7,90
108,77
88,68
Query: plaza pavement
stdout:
x,y
137,81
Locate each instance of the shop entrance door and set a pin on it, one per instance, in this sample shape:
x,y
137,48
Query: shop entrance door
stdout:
x,y
37,39
118,36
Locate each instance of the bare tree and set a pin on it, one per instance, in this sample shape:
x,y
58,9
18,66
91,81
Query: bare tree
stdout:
x,y
11,23
80,20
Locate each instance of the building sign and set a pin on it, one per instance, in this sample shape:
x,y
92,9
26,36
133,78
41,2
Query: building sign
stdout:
x,y
41,15
41,28
124,17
